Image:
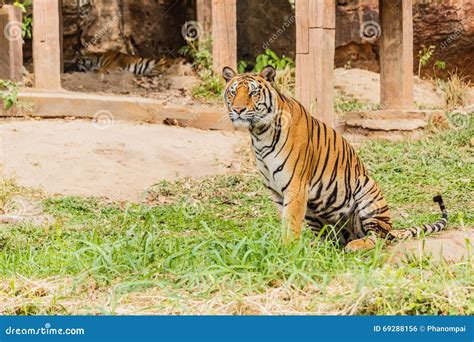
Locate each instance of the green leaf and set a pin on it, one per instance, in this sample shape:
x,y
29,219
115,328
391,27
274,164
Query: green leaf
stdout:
x,y
7,103
440,65
271,54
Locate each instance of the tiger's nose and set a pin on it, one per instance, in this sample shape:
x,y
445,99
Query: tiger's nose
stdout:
x,y
238,110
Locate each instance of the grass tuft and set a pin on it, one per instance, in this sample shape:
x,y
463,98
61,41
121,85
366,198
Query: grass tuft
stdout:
x,y
455,91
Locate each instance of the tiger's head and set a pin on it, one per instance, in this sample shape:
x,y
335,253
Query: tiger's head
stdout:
x,y
250,98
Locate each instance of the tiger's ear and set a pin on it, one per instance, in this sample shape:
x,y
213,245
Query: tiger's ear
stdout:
x,y
268,73
228,73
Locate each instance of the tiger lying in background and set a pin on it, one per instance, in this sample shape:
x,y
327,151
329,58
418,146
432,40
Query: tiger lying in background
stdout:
x,y
117,61
311,170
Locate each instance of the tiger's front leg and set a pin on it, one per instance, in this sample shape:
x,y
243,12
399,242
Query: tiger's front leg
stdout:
x,y
294,210
278,200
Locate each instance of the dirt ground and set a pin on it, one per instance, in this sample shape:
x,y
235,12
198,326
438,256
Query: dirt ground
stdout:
x,y
174,85
118,162
364,85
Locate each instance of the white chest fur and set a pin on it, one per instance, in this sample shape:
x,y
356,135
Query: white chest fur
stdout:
x,y
271,164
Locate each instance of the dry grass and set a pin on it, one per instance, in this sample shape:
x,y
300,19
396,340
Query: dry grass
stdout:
x,y
455,91
285,81
60,295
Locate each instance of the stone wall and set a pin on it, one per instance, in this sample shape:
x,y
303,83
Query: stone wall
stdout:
x,y
147,28
265,24
448,25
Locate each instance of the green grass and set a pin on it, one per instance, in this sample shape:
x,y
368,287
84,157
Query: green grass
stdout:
x,y
209,87
213,246
345,103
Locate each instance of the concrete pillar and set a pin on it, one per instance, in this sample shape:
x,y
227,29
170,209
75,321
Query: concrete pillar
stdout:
x,y
11,44
46,45
396,54
315,46
204,16
224,34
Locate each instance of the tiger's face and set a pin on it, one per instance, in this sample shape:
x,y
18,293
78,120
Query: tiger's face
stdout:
x,y
249,98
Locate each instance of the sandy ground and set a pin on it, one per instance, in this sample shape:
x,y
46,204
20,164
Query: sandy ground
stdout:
x,y
119,162
175,89
364,85
174,85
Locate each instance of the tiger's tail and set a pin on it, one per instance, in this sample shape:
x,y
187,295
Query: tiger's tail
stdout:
x,y
426,228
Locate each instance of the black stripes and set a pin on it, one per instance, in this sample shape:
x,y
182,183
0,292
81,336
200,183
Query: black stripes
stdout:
x,y
296,153
111,61
426,228
438,199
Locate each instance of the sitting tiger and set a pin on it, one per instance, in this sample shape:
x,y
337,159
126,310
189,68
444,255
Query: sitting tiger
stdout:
x,y
117,61
311,171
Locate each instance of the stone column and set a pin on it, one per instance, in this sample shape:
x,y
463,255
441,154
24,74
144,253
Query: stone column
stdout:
x,y
396,54
46,45
11,44
204,16
315,46
224,34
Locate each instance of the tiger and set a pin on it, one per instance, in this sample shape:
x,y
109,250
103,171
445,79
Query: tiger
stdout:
x,y
311,171
117,61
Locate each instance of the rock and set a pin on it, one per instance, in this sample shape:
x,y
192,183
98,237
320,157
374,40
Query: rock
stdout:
x,y
388,120
447,25
392,125
453,246
145,28
356,136
265,24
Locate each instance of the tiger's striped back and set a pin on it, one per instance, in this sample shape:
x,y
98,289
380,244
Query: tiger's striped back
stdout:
x,y
117,61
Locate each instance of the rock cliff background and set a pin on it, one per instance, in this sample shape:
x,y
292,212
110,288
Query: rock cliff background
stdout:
x,y
152,28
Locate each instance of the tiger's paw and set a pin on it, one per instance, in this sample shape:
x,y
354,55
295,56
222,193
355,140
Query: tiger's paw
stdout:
x,y
401,234
360,245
